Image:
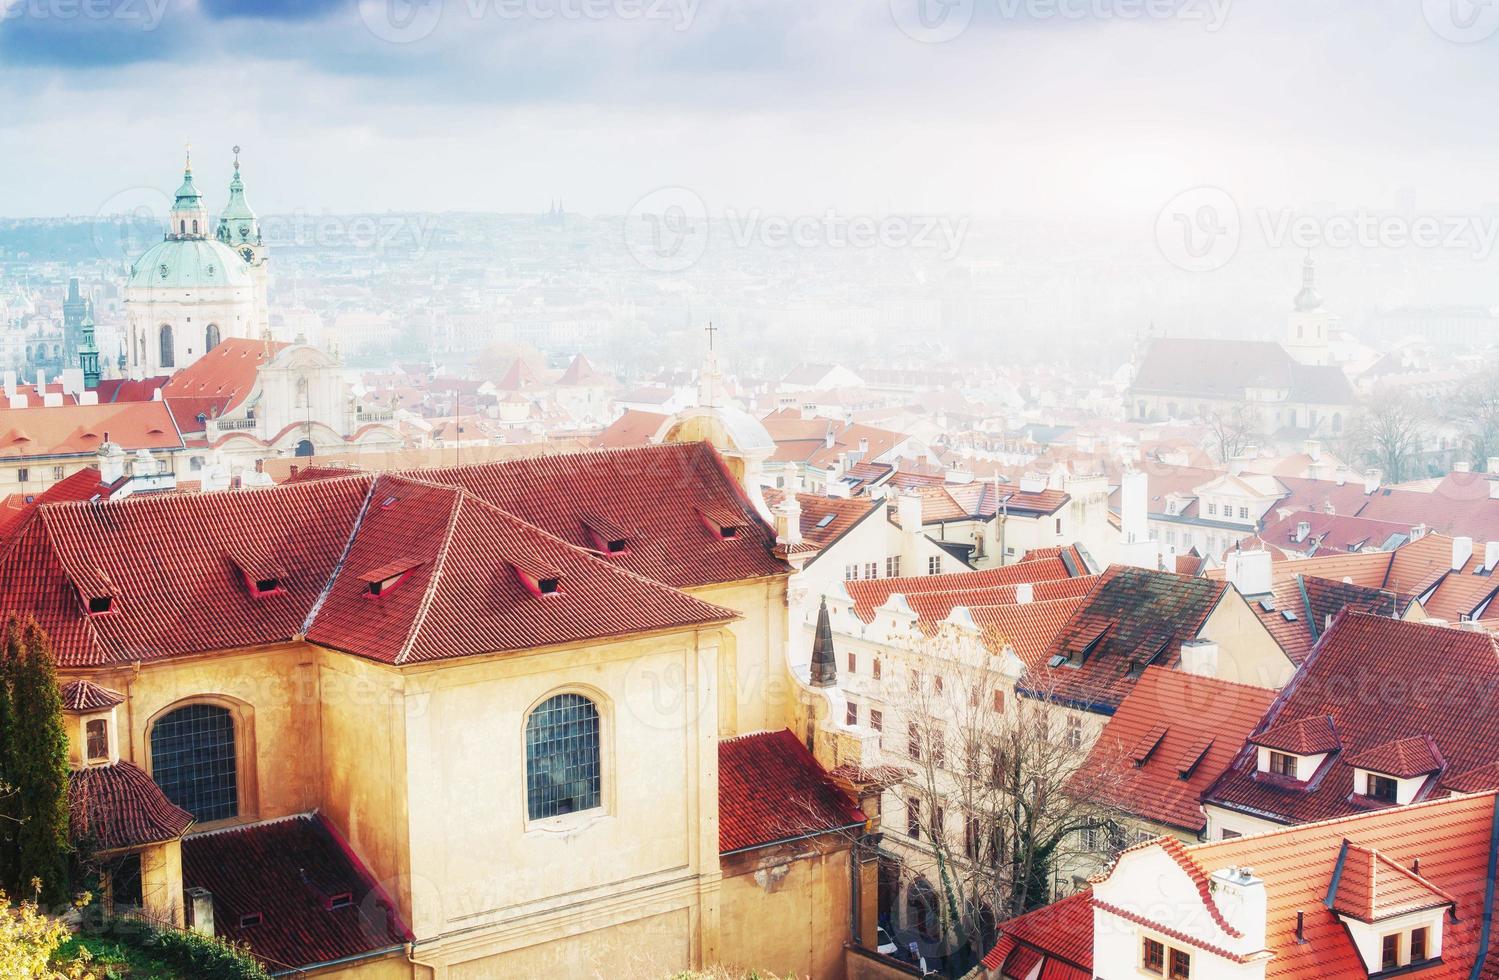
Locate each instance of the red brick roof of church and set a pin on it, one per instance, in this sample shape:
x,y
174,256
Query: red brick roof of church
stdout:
x,y
83,696
655,492
870,594
217,382
118,806
463,564
178,574
771,789
1369,685
315,901
840,514
1173,734
632,429
1454,840
1134,617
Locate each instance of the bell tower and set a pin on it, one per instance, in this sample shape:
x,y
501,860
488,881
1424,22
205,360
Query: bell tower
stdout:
x,y
1309,327
239,228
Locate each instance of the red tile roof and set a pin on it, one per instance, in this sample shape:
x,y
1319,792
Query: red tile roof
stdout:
x,y
1133,618
315,901
1372,887
1453,840
464,592
1459,505
81,485
1028,628
1061,931
825,519
79,430
1196,725
83,696
217,382
870,594
634,428
582,372
1381,681
1403,758
771,789
117,806
655,492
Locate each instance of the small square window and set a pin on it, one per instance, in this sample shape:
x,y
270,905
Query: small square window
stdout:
x,y
871,569
853,662
876,719
1382,788
22,474
1152,956
892,566
98,605
852,716
1389,951
876,670
934,565
1283,765
1181,965
97,737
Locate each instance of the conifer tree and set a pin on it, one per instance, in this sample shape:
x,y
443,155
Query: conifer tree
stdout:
x,y
10,817
40,750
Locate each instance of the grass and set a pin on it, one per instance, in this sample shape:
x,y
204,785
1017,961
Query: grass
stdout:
x,y
114,960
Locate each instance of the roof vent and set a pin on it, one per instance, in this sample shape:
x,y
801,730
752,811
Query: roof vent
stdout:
x,y
539,580
98,605
379,581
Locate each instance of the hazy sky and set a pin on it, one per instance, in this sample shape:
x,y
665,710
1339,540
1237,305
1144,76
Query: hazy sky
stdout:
x,y
798,106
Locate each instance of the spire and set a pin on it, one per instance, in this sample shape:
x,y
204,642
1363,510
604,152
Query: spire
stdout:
x,y
709,380
824,660
1308,299
237,223
88,350
189,218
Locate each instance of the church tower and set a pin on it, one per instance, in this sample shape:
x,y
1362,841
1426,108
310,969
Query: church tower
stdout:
x,y
1309,328
88,348
73,310
239,228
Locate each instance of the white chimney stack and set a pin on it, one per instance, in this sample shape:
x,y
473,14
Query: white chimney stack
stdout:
x,y
1492,465
1490,555
1240,896
41,383
200,911
1494,489
1133,506
1025,593
789,522
1462,550
908,510
1372,480
1303,529
1249,571
1200,657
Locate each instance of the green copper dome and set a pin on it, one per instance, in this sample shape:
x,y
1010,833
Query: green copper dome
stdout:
x,y
188,263
237,222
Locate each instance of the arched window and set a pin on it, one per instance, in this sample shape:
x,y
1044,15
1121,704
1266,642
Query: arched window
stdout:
x,y
168,348
562,757
193,761
211,337
305,448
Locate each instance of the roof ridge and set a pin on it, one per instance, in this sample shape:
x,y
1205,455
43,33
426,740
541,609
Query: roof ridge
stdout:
x,y
343,555
1368,815
435,578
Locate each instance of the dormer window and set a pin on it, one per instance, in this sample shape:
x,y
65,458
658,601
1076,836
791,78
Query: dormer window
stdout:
x,y
96,738
723,522
342,900
98,605
250,919
538,579
1283,764
607,536
379,581
1381,788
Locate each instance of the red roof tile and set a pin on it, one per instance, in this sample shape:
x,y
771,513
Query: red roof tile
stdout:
x,y
1062,930
655,492
1194,725
1381,681
119,806
1133,618
1028,628
1373,887
461,593
83,696
217,382
825,519
771,789
79,430
315,901
1404,758
634,428
870,594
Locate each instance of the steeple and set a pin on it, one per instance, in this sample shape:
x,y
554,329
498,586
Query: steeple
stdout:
x,y
709,380
189,218
824,660
1308,299
88,349
237,223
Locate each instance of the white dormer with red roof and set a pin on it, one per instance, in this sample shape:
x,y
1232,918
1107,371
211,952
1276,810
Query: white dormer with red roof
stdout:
x,y
1393,915
1294,750
1159,912
1397,771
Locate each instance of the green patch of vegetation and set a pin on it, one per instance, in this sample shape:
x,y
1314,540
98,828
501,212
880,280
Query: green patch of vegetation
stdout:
x,y
110,959
132,951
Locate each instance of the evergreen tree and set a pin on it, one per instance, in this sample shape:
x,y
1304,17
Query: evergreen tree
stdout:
x,y
10,817
40,751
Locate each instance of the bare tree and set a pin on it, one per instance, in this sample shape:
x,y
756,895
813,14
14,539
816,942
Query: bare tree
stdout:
x,y
1389,433
988,785
1475,411
1231,428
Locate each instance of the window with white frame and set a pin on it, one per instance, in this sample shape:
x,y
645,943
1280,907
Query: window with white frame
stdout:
x,y
892,566
934,565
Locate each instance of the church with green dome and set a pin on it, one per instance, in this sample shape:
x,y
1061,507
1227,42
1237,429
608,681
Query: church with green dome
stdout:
x,y
203,283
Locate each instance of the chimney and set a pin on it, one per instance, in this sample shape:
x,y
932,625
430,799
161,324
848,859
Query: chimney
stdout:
x,y
200,911
1462,466
1462,550
1492,465
1249,571
10,385
908,510
1314,449
41,383
1372,479
1303,528
1200,657
1133,508
789,522
1490,555
1494,489
863,448
1240,896
1025,593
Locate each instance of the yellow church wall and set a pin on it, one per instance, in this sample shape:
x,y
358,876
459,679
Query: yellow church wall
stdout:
x,y
786,910
483,875
161,881
272,693
762,695
391,966
650,948
362,719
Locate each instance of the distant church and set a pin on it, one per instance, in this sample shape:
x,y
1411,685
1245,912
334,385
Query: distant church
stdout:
x,y
202,284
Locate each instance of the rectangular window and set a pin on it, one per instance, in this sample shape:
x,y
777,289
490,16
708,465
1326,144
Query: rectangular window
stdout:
x,y
57,473
892,566
1059,525
1389,953
853,662
913,741
22,475
1074,733
1181,965
98,739
913,818
850,573
1244,513
1381,788
939,824
937,683
972,837
934,565
1419,938
876,719
915,682
939,747
853,713
876,668
1212,510
999,700
1283,765
1152,957
871,569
